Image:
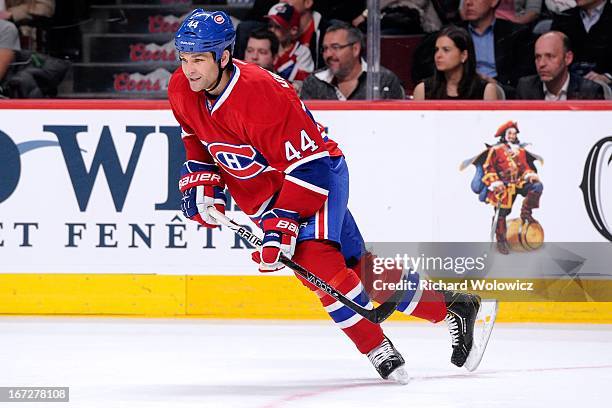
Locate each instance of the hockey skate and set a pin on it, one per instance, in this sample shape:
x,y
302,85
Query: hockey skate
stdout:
x,y
389,362
470,322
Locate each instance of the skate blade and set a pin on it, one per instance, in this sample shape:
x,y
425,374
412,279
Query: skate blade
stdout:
x,y
400,376
485,320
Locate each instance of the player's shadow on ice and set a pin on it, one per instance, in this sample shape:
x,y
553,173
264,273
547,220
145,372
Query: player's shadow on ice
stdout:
x,y
180,391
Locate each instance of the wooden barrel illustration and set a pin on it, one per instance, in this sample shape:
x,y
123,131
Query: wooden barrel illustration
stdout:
x,y
524,237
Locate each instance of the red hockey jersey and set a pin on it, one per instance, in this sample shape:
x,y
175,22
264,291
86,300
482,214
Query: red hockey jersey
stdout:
x,y
261,136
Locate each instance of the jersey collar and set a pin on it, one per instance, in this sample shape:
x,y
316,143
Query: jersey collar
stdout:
x,y
226,91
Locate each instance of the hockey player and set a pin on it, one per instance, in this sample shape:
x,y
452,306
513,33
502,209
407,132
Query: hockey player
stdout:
x,y
244,128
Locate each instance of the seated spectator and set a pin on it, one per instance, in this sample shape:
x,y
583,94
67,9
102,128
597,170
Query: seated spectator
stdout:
x,y
312,26
262,49
589,28
519,11
9,42
455,75
294,62
503,48
554,82
346,72
254,20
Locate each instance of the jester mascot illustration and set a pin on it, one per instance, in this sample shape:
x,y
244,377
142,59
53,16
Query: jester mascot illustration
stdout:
x,y
504,171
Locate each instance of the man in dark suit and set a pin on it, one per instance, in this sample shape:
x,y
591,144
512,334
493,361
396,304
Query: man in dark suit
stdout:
x,y
589,27
511,43
503,49
554,81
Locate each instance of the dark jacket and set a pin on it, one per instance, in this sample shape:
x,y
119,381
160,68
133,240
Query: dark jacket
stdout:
x,y
596,45
513,54
531,87
319,86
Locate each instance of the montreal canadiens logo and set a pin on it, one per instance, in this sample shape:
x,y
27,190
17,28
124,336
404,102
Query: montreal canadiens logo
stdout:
x,y
219,19
239,161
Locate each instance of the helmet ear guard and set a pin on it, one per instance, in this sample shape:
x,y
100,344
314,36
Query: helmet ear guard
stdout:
x,y
204,31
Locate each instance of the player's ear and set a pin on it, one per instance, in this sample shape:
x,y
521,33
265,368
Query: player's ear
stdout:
x,y
225,58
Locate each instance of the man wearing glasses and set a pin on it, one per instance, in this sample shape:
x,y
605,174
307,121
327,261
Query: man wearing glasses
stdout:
x,y
345,75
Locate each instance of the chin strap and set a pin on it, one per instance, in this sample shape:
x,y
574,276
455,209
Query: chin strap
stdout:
x,y
219,76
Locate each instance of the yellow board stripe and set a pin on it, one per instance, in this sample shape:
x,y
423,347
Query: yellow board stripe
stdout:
x,y
227,297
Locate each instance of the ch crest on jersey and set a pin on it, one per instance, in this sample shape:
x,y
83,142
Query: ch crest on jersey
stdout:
x,y
242,161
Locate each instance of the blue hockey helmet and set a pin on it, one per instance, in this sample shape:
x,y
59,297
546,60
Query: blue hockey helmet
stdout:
x,y
205,31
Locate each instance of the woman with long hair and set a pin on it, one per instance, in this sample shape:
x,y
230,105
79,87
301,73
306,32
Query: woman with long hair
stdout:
x,y
455,75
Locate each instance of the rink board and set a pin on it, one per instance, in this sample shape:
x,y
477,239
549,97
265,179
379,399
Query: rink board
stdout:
x,y
226,297
109,238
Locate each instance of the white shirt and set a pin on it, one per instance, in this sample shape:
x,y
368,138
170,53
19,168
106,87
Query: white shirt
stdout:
x,y
562,96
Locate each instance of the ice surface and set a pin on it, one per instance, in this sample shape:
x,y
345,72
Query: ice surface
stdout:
x,y
116,362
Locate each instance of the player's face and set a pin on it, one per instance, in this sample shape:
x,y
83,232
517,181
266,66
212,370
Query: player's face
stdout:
x,y
447,56
200,69
259,52
340,57
551,60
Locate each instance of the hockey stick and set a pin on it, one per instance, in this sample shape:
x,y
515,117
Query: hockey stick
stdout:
x,y
375,315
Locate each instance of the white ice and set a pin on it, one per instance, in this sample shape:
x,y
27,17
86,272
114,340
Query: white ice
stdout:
x,y
117,362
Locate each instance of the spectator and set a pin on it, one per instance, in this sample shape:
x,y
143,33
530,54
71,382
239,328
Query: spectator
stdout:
x,y
502,48
554,82
294,62
262,49
455,75
254,20
9,42
312,25
345,75
519,11
589,28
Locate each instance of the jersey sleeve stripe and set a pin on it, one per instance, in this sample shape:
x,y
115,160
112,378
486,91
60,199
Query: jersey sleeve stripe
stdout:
x,y
307,159
306,185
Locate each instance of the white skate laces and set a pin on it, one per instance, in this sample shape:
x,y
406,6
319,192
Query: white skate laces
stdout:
x,y
389,362
453,327
381,353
